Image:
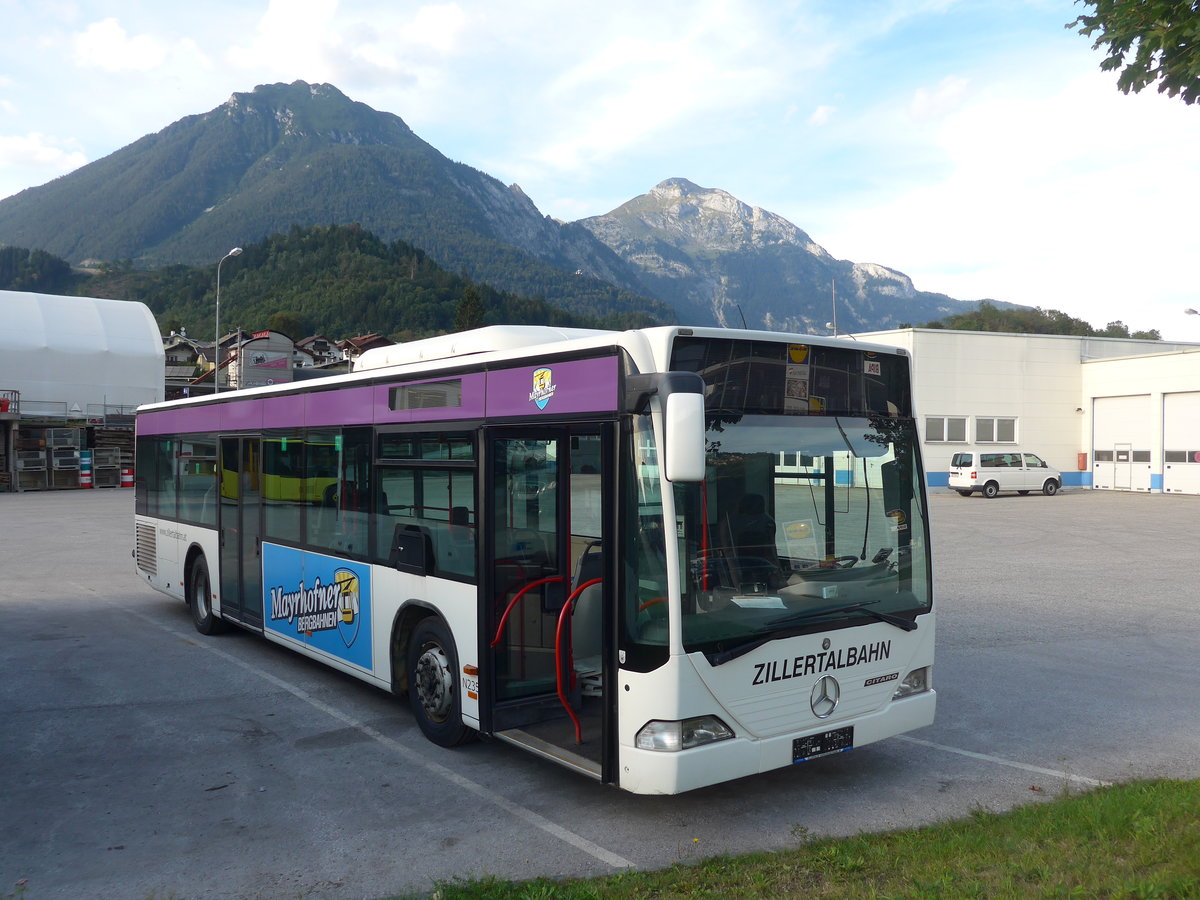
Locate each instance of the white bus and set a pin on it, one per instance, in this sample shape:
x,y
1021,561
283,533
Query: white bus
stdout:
x,y
664,558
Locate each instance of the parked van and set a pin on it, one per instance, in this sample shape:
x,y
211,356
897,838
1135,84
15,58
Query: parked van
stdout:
x,y
1007,470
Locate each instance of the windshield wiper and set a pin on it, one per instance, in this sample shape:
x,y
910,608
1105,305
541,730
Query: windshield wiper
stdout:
x,y
721,657
905,624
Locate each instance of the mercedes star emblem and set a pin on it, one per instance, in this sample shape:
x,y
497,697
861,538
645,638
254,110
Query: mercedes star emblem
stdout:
x,y
825,696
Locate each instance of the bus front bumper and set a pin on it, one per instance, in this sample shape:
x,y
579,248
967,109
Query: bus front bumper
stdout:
x,y
659,772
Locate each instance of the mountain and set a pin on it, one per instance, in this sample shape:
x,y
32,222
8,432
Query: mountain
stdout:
x,y
713,257
306,155
301,154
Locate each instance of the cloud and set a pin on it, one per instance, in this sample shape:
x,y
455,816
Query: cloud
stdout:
x,y
34,158
106,45
438,27
821,115
1052,198
292,39
626,90
377,46
946,98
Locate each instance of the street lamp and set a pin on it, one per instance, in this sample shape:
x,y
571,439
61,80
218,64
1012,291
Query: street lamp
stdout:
x,y
236,251
1191,312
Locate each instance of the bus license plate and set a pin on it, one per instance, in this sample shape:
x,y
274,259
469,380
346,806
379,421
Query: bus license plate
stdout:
x,y
806,748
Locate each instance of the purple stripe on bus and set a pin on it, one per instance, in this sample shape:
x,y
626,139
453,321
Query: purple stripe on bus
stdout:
x,y
345,407
587,385
175,421
245,415
473,386
283,412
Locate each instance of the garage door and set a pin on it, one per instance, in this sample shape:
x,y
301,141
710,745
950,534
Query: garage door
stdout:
x,y
1181,443
1122,434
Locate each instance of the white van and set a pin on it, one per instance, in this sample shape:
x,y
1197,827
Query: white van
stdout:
x,y
1006,470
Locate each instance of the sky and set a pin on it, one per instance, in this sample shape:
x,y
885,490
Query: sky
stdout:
x,y
974,145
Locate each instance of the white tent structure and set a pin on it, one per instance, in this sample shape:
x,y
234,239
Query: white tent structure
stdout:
x,y
75,357
72,371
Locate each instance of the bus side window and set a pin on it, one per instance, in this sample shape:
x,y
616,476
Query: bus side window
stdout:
x,y
456,543
396,506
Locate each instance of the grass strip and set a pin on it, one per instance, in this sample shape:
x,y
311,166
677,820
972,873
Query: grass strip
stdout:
x,y
1139,840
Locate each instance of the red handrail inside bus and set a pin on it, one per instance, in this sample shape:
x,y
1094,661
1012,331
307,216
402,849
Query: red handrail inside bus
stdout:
x,y
704,583
549,579
558,666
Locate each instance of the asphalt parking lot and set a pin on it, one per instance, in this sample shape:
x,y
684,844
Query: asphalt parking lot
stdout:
x,y
143,760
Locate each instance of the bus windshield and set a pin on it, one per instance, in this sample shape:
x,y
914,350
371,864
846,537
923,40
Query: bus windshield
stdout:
x,y
801,524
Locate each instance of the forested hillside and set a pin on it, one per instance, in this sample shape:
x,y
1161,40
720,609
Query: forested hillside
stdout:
x,y
341,280
989,317
334,280
34,270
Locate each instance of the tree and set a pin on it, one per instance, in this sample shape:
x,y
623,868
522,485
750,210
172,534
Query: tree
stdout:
x,y
470,311
286,322
1149,41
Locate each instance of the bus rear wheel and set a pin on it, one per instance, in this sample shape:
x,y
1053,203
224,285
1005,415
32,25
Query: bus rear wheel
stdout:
x,y
433,685
200,600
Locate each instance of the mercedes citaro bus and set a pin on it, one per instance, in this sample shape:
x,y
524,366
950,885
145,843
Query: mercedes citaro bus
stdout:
x,y
664,558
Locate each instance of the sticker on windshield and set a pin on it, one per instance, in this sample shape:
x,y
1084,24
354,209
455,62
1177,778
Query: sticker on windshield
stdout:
x,y
801,539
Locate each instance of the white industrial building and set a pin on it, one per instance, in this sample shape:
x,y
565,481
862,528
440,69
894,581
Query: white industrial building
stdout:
x,y
1110,413
72,371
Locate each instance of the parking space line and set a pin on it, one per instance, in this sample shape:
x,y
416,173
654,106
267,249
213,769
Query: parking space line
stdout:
x,y
412,756
1012,764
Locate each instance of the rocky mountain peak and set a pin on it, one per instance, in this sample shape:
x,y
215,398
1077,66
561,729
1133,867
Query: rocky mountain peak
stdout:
x,y
712,217
319,111
717,258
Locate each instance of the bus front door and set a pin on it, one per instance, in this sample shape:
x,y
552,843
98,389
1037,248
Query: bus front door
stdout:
x,y
241,515
548,610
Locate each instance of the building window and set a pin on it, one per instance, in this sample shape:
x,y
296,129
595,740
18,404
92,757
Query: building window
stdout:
x,y
946,429
990,430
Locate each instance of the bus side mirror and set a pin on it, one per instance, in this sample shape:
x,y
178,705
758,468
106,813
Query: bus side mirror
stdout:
x,y
683,422
682,397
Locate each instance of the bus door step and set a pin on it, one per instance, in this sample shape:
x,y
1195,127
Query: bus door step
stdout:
x,y
552,752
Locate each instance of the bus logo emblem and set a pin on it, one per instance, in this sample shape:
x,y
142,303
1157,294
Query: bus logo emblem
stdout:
x,y
543,387
825,696
348,605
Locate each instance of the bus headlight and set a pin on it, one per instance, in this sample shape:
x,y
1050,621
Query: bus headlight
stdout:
x,y
672,736
916,682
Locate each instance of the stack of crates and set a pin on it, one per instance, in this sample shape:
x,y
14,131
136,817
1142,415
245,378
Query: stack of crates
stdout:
x,y
31,470
106,467
62,447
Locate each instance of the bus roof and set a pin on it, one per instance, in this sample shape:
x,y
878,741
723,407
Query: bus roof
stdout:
x,y
499,343
465,343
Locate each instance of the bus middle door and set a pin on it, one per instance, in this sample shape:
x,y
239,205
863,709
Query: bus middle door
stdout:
x,y
241,529
549,498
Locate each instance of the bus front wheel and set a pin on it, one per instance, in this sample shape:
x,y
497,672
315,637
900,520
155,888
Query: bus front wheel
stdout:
x,y
200,600
433,685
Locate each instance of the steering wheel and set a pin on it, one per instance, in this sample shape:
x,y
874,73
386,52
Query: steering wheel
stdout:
x,y
844,562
